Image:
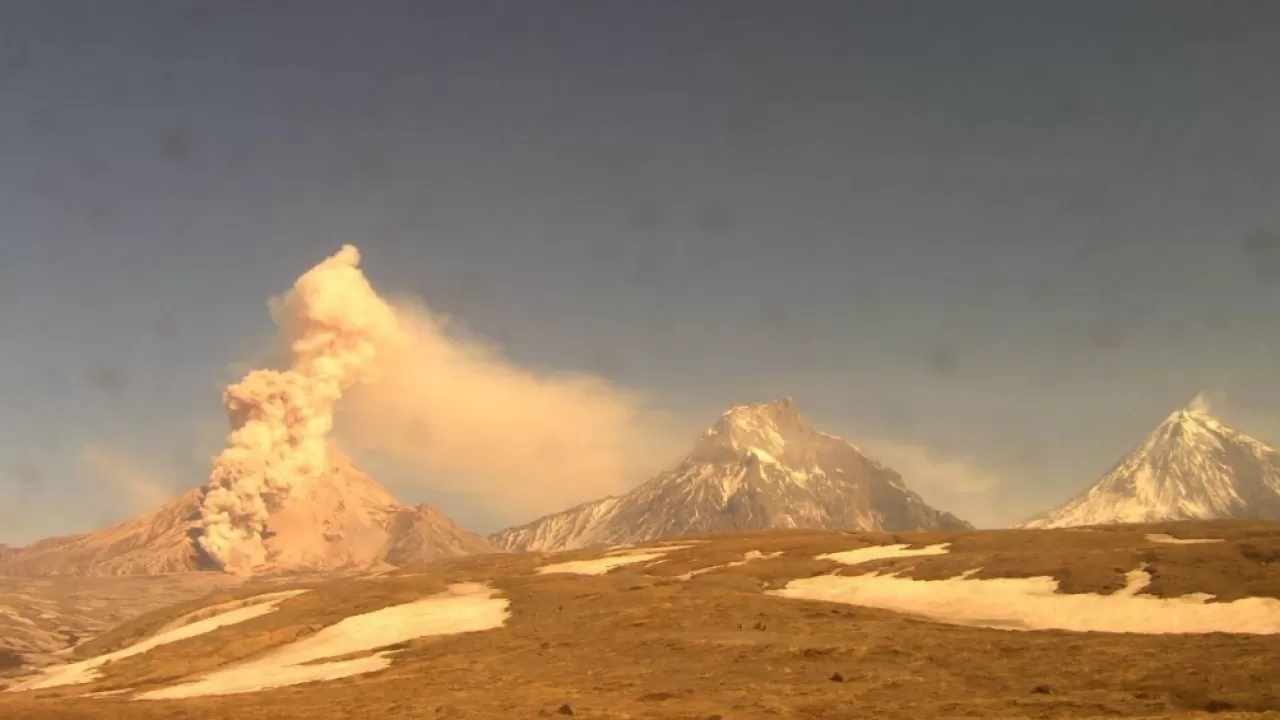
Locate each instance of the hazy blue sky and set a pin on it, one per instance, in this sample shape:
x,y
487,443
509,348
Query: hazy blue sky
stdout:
x,y
1007,237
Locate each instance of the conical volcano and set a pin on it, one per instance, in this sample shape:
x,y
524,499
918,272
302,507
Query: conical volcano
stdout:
x,y
344,520
1191,467
758,467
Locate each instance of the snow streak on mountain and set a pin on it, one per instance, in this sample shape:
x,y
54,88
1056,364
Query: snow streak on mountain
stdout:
x,y
758,467
1192,467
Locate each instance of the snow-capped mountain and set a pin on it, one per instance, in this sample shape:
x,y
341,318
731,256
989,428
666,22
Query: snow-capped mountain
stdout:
x,y
1192,467
759,467
345,520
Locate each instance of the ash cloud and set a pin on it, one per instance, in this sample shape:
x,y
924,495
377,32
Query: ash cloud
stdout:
x,y
333,325
462,418
416,389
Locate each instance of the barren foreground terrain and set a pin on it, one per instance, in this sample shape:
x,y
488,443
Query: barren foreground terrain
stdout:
x,y
40,616
720,626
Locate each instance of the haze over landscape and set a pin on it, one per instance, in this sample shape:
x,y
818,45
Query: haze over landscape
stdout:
x,y
995,269
719,360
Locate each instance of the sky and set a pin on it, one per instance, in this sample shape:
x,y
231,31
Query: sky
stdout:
x,y
994,243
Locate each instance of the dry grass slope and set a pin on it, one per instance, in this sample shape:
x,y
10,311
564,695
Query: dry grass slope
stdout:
x,y
60,611
640,642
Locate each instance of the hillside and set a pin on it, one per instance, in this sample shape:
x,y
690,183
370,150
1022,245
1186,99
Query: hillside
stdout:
x,y
1008,624
758,467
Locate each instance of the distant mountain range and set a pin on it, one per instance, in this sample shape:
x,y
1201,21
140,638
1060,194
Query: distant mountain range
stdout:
x,y
758,467
1191,467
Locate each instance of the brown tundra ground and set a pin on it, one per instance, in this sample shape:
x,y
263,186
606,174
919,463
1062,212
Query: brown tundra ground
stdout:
x,y
648,640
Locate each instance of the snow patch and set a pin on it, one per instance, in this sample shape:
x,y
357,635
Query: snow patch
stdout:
x,y
748,423
748,557
763,456
1171,540
611,561
464,607
87,670
881,552
1035,604
220,608
598,566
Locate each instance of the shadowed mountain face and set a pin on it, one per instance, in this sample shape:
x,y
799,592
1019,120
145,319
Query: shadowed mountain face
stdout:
x,y
1191,467
759,467
345,520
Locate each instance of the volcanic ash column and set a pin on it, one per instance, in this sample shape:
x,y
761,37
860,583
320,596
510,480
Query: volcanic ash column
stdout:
x,y
333,323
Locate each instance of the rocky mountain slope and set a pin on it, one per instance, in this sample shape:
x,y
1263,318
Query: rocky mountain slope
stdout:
x,y
345,520
760,466
1192,467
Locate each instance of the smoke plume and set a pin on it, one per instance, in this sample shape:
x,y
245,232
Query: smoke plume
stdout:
x,y
521,443
1201,403
333,324
422,394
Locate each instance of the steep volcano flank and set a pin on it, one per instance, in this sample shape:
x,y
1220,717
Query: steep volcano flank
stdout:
x,y
157,542
758,467
422,533
1191,467
809,479
342,520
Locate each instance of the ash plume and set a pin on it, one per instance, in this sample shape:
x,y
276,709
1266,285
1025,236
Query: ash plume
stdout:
x,y
461,418
1201,403
333,324
420,393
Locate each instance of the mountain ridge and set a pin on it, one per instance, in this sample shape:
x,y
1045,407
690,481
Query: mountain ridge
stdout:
x,y
757,467
1191,467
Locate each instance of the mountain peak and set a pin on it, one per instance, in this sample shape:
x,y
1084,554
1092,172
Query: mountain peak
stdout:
x,y
1192,426
1198,412
1191,467
783,407
757,467
769,427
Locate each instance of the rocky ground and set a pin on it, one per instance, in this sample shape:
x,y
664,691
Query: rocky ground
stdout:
x,y
695,632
